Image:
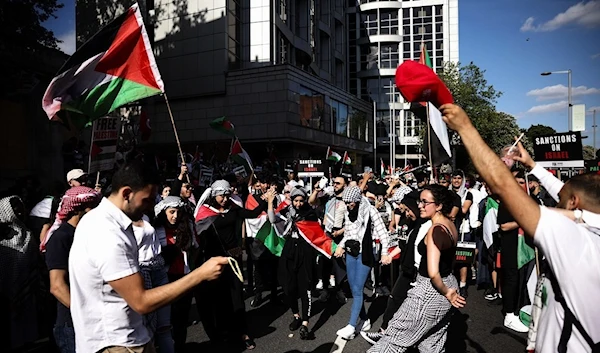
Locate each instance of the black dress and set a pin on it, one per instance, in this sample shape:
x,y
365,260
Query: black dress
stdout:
x,y
221,302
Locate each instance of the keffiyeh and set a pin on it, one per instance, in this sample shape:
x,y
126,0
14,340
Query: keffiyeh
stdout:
x,y
402,191
168,202
352,194
297,192
76,199
220,187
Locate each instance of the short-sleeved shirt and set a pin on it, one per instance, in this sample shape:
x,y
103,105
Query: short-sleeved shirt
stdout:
x,y
104,250
148,243
57,258
573,252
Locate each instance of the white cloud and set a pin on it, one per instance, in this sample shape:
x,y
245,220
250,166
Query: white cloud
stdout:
x,y
548,108
591,109
68,44
561,92
595,56
585,14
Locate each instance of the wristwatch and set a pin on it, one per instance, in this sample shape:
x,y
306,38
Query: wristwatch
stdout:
x,y
578,216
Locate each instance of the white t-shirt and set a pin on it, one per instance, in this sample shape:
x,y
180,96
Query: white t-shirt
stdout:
x,y
573,251
147,240
104,250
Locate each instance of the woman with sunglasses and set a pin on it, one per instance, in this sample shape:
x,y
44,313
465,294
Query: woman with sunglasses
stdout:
x,y
423,317
222,308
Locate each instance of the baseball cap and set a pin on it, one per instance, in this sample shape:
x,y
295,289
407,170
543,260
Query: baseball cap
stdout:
x,y
75,174
418,83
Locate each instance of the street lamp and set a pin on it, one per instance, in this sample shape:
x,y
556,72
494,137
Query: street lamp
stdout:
x,y
568,72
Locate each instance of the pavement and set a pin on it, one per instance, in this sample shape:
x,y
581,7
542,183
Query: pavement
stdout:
x,y
478,327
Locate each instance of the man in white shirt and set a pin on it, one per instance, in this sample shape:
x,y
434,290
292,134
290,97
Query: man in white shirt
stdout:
x,y
108,297
572,248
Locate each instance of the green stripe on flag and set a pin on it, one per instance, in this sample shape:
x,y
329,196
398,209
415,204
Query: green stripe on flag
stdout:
x,y
103,99
268,236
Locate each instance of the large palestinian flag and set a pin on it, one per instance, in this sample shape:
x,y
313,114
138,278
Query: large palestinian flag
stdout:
x,y
205,216
115,67
312,232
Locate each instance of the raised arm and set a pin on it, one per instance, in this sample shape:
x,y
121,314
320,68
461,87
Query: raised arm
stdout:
x,y
495,173
551,183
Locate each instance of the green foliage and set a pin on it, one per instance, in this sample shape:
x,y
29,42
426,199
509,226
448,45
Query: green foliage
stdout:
x,y
589,153
538,130
21,24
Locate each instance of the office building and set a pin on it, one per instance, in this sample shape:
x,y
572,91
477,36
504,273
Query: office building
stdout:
x,y
382,34
276,69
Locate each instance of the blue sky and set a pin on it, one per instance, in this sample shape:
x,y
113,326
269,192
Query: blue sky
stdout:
x,y
514,41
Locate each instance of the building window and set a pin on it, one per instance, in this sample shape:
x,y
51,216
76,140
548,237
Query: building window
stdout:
x,y
371,23
390,56
282,10
389,89
339,113
283,49
233,32
389,22
412,124
312,109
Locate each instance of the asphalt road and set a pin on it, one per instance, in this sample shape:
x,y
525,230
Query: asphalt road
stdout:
x,y
476,328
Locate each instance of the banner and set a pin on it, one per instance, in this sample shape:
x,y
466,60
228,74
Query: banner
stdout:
x,y
206,176
311,168
105,136
560,147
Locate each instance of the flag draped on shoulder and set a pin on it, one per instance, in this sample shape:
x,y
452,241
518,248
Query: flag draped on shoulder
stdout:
x,y
312,232
205,216
115,67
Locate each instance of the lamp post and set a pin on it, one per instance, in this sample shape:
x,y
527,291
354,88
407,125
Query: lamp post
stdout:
x,y
568,72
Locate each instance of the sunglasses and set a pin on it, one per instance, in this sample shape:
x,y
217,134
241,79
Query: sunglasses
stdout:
x,y
337,183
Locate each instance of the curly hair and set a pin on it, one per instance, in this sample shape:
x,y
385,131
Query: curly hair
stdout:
x,y
441,196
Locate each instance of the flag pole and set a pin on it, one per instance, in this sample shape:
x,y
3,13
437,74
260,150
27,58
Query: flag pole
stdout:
x,y
429,140
97,178
175,132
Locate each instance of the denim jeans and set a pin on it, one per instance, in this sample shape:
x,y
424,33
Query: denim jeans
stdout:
x,y
357,277
163,337
64,336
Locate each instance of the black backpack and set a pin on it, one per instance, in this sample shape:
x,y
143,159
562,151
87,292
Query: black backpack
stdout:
x,y
570,321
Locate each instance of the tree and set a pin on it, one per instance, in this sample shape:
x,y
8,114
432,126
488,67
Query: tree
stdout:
x,y
539,130
472,92
589,153
21,25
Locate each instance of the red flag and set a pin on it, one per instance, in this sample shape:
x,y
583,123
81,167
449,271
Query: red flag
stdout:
x,y
205,217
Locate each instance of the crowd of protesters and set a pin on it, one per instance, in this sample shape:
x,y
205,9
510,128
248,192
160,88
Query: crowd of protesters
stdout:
x,y
122,262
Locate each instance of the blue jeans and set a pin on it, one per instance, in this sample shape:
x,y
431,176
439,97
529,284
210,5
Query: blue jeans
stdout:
x,y
163,337
64,336
357,277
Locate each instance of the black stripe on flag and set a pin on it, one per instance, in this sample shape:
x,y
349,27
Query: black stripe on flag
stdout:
x,y
99,43
440,144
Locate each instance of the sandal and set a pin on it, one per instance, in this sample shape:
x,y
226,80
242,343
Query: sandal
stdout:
x,y
249,343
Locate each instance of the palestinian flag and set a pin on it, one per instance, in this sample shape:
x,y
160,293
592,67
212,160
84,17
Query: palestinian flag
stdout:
x,y
424,58
490,221
525,253
224,126
271,235
346,160
239,156
254,225
332,156
440,142
114,68
382,169
205,216
312,232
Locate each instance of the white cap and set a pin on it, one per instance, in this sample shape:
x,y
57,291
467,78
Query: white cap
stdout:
x,y
75,174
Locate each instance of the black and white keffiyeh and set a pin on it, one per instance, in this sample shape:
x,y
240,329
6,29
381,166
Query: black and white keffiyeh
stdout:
x,y
352,194
168,202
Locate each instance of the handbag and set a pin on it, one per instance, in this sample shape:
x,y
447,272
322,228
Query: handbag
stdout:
x,y
352,247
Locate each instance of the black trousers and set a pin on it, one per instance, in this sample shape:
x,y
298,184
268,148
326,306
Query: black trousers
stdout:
x,y
397,297
180,312
296,266
250,264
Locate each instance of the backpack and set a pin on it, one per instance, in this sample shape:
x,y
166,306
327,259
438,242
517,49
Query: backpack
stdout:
x,y
570,321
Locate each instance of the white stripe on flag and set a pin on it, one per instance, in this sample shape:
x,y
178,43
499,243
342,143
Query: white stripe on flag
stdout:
x,y
439,127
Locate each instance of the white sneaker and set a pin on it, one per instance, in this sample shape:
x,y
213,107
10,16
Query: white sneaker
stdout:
x,y
364,325
320,284
513,322
347,333
331,282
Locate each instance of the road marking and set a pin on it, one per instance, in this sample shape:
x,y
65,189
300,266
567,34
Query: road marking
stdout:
x,y
340,343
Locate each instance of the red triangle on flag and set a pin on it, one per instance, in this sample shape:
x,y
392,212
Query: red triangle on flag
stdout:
x,y
127,57
96,150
